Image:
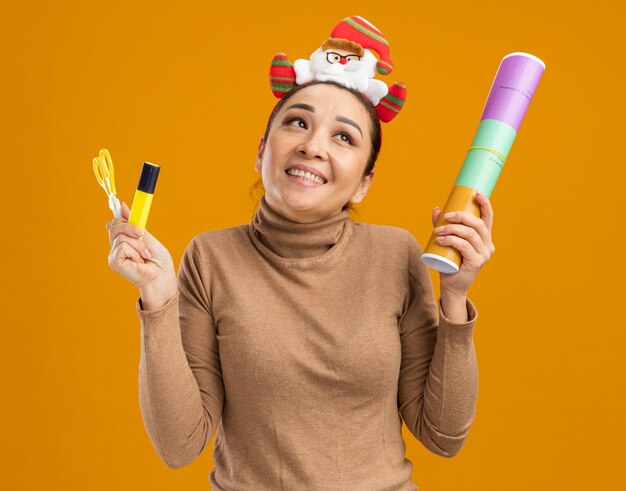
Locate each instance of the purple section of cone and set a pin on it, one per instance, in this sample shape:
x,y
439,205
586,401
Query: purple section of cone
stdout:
x,y
512,90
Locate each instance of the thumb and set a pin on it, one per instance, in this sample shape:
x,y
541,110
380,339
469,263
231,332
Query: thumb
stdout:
x,y
159,252
125,211
436,213
150,240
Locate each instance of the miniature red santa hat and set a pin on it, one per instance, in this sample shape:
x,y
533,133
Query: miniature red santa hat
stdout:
x,y
358,30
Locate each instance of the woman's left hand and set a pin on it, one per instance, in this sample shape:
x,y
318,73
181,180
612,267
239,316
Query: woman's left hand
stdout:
x,y
471,236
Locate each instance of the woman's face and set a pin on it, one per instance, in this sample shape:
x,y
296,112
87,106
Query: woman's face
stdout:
x,y
325,130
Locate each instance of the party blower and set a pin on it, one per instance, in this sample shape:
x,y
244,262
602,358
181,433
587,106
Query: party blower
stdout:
x,y
510,94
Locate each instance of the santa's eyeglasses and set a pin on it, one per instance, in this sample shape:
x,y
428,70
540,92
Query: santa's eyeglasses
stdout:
x,y
333,57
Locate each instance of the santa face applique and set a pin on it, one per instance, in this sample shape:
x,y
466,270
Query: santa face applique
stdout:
x,y
346,58
336,56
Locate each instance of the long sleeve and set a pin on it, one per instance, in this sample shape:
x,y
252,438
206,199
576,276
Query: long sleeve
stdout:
x,y
181,393
438,383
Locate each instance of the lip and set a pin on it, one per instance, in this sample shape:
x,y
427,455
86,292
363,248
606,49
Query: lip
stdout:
x,y
307,169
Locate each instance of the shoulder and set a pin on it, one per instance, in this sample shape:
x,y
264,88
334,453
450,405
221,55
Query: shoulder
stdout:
x,y
385,235
218,243
221,237
387,240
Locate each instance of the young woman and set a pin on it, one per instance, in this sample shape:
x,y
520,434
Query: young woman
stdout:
x,y
304,337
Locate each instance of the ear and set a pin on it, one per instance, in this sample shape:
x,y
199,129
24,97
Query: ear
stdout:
x,y
259,154
366,182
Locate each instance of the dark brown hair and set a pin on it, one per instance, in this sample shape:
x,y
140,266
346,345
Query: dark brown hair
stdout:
x,y
375,131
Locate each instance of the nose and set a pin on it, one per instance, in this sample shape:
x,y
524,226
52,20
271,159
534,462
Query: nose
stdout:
x,y
343,61
313,146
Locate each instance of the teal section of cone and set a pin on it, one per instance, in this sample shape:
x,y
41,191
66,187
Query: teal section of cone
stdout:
x,y
481,168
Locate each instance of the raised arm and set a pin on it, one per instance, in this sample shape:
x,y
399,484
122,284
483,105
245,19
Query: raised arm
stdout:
x,y
181,393
438,384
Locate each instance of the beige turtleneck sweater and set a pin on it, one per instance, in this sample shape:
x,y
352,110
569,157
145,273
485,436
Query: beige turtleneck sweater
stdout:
x,y
303,345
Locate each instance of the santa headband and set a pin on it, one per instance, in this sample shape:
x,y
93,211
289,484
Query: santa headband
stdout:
x,y
346,57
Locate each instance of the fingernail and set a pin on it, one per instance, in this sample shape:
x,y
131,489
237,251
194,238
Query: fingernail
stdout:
x,y
147,253
450,214
138,231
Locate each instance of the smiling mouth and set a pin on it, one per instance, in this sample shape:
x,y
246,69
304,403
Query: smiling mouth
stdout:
x,y
306,176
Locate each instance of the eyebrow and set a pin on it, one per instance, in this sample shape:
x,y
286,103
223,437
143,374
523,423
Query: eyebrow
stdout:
x,y
306,107
341,119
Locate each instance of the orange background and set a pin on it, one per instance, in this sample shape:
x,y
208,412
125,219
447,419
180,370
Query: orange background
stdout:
x,y
185,85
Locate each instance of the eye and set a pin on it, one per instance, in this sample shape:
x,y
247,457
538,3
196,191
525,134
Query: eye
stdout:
x,y
346,138
296,122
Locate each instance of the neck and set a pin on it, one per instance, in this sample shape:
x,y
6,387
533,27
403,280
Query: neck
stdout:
x,y
302,217
293,239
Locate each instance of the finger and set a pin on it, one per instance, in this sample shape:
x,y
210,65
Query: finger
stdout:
x,y
471,220
122,253
124,228
148,237
151,242
471,258
125,211
436,215
486,210
136,244
467,233
130,253
115,221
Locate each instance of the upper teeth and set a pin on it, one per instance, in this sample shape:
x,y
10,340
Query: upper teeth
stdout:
x,y
305,175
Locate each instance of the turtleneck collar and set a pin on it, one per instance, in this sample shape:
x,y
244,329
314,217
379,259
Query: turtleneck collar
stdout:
x,y
294,240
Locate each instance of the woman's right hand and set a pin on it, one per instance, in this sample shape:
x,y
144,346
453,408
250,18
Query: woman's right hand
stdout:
x,y
146,263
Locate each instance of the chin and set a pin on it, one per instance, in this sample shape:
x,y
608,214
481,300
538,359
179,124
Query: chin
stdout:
x,y
302,202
